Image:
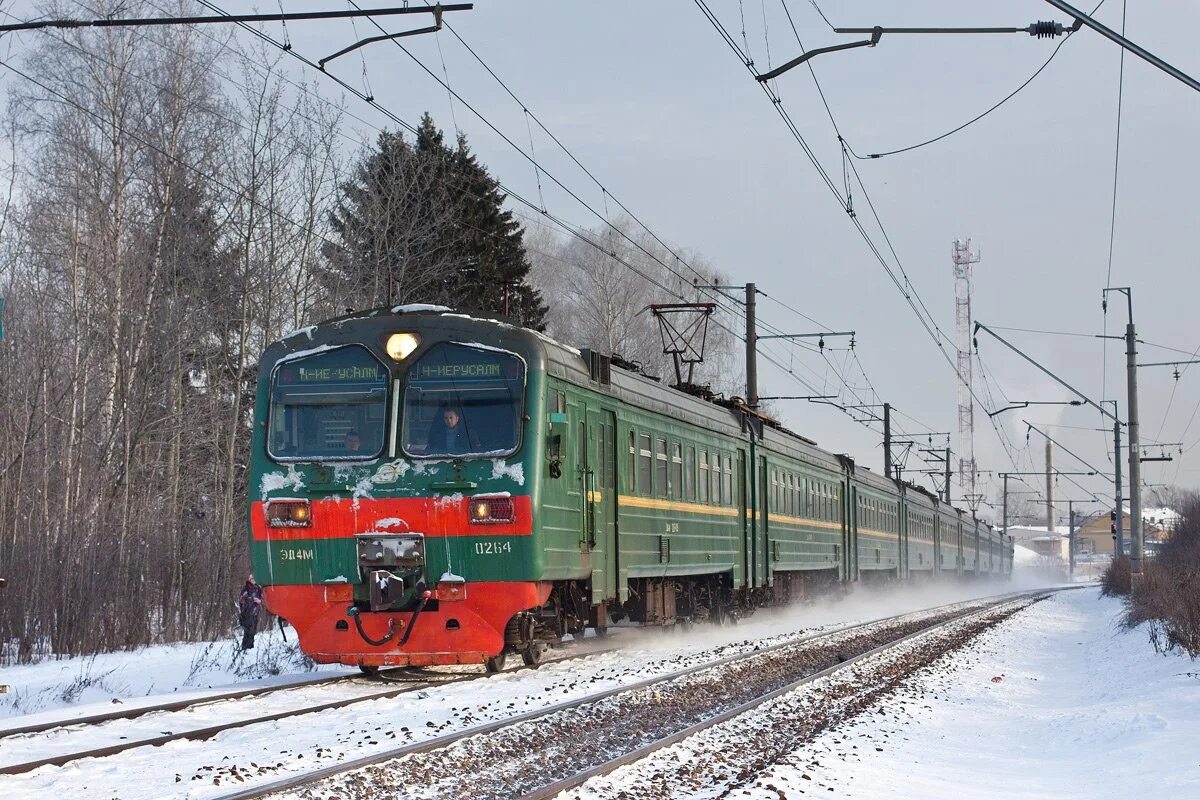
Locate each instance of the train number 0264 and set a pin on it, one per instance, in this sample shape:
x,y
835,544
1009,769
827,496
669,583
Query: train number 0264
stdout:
x,y
492,548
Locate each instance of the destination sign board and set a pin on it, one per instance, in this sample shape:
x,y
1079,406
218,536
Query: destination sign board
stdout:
x,y
444,372
347,365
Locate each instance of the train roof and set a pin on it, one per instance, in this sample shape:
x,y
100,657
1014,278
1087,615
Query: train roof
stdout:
x,y
579,366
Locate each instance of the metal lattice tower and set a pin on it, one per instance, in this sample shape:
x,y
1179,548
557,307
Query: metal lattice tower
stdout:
x,y
964,262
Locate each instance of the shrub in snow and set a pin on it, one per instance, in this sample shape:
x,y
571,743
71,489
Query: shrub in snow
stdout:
x,y
1115,580
1168,595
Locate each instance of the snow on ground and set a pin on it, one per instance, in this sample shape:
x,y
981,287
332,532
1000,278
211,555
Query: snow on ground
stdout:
x,y
71,687
1057,702
289,745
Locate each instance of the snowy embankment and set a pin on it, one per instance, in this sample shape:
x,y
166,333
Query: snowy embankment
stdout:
x,y
1057,702
62,688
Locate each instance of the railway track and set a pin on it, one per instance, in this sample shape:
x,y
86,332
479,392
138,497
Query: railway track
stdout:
x,y
178,705
524,755
413,680
663,779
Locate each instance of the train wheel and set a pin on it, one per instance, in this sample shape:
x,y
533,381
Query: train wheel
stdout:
x,y
368,670
532,655
496,663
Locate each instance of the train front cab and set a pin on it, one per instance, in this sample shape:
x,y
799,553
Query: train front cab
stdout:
x,y
383,530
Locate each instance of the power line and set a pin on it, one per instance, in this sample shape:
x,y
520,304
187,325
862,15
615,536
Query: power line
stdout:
x,y
969,122
563,147
905,287
1112,227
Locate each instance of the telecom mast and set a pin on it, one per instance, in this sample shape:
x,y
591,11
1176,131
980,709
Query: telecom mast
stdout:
x,y
964,261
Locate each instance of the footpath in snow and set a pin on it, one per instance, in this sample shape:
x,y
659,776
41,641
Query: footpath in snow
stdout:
x,y
1058,702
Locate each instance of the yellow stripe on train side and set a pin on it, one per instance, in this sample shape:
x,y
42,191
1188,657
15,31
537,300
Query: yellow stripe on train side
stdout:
x,y
633,501
804,521
675,505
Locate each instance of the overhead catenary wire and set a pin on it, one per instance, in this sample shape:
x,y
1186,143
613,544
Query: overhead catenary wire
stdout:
x,y
1112,228
971,121
905,286
554,138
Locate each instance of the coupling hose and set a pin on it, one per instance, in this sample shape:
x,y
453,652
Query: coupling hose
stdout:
x,y
353,612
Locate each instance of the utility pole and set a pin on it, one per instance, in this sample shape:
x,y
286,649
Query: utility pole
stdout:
x,y
1071,540
1004,513
1119,546
1136,544
947,476
1135,452
1049,488
887,440
751,349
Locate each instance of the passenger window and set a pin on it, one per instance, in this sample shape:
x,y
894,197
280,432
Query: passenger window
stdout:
x,y
660,468
714,462
676,470
645,466
689,475
632,460
727,485
703,484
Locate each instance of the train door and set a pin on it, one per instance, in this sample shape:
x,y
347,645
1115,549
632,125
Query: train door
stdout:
x,y
850,535
759,504
600,496
741,498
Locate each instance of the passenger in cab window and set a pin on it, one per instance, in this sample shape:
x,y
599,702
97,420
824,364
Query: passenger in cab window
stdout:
x,y
353,441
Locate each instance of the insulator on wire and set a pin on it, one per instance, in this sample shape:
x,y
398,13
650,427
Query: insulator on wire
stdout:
x,y
1045,30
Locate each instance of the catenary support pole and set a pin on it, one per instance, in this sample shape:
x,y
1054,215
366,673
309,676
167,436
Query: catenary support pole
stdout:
x,y
1049,488
1071,540
1119,543
1137,50
947,474
887,440
1004,513
751,349
1135,466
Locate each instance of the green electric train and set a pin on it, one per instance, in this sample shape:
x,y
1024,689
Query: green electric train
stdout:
x,y
432,488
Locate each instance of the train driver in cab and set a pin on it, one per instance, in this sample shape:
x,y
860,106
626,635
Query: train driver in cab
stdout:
x,y
448,432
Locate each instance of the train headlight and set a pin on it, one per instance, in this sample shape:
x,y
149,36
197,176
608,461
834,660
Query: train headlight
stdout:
x,y
491,509
289,514
401,345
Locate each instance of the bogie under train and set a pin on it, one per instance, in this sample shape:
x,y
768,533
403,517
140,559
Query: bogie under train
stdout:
x,y
431,488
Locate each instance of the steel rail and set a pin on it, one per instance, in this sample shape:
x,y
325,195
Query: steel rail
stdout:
x,y
200,734
177,705
566,784
439,742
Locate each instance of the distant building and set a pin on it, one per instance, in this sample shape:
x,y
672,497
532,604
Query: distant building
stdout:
x,y
1050,545
1053,546
1096,537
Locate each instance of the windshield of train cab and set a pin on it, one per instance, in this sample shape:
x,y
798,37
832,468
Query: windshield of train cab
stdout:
x,y
462,400
330,405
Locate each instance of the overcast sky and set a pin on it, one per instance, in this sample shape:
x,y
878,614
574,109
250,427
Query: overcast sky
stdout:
x,y
656,106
